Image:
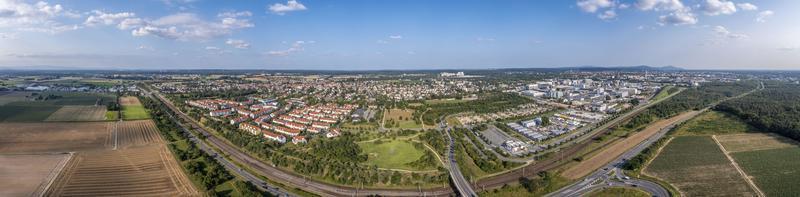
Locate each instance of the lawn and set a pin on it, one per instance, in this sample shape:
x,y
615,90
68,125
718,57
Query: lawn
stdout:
x,y
134,112
394,154
663,93
619,192
112,115
400,118
714,123
776,171
696,166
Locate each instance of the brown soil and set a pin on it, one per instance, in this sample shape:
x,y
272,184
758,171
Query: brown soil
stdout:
x,y
129,100
78,113
53,137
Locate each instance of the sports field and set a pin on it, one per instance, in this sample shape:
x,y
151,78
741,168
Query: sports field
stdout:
x,y
393,154
696,166
132,109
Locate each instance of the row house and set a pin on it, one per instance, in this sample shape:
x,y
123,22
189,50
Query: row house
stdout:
x,y
239,119
221,112
296,126
287,131
205,104
314,130
332,133
321,125
250,128
274,136
298,139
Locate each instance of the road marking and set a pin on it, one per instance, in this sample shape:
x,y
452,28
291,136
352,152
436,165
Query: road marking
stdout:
x,y
738,169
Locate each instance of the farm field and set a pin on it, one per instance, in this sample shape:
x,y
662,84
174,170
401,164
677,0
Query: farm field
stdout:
x,y
391,154
754,141
774,171
618,192
31,172
132,109
8,97
53,137
696,166
27,110
138,171
615,150
78,113
714,122
137,133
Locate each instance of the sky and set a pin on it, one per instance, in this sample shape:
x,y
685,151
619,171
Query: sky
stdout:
x,y
402,34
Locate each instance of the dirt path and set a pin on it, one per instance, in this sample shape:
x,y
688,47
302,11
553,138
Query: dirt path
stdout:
x,y
738,169
615,150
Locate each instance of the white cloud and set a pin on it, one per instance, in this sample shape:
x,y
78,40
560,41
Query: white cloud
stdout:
x,y
660,5
592,6
239,44
290,6
717,7
212,48
7,36
235,14
180,26
623,6
382,42
762,16
100,17
607,15
297,46
747,6
38,17
724,33
680,17
396,37
788,48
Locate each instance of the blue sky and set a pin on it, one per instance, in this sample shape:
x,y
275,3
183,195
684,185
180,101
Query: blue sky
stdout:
x,y
366,35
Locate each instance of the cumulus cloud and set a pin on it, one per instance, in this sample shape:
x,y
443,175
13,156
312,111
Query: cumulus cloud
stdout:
x,y
660,5
297,46
38,17
591,6
762,16
717,7
724,33
680,17
100,17
747,6
212,48
180,26
607,15
239,44
396,37
290,6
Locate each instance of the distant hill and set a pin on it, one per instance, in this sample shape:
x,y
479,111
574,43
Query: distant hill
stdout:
x,y
627,68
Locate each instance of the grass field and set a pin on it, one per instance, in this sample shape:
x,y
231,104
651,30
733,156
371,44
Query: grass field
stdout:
x,y
400,118
618,192
8,97
132,109
776,171
112,115
713,122
25,112
754,142
696,166
393,154
441,101
663,93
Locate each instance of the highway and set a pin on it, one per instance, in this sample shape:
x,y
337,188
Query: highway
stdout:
x,y
232,168
611,174
290,179
462,185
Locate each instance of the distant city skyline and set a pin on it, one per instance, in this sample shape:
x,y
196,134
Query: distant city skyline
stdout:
x,y
399,35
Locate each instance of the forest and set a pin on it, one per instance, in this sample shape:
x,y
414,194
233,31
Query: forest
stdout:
x,y
487,104
774,109
691,99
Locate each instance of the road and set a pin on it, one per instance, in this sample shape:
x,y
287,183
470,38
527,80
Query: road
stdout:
x,y
611,174
462,185
232,168
291,179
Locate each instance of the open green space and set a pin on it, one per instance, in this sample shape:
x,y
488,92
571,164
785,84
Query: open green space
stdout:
x,y
395,154
696,166
112,115
714,123
664,92
618,192
401,118
134,112
776,171
441,101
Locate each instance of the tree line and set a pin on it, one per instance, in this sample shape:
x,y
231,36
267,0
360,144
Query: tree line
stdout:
x,y
774,109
